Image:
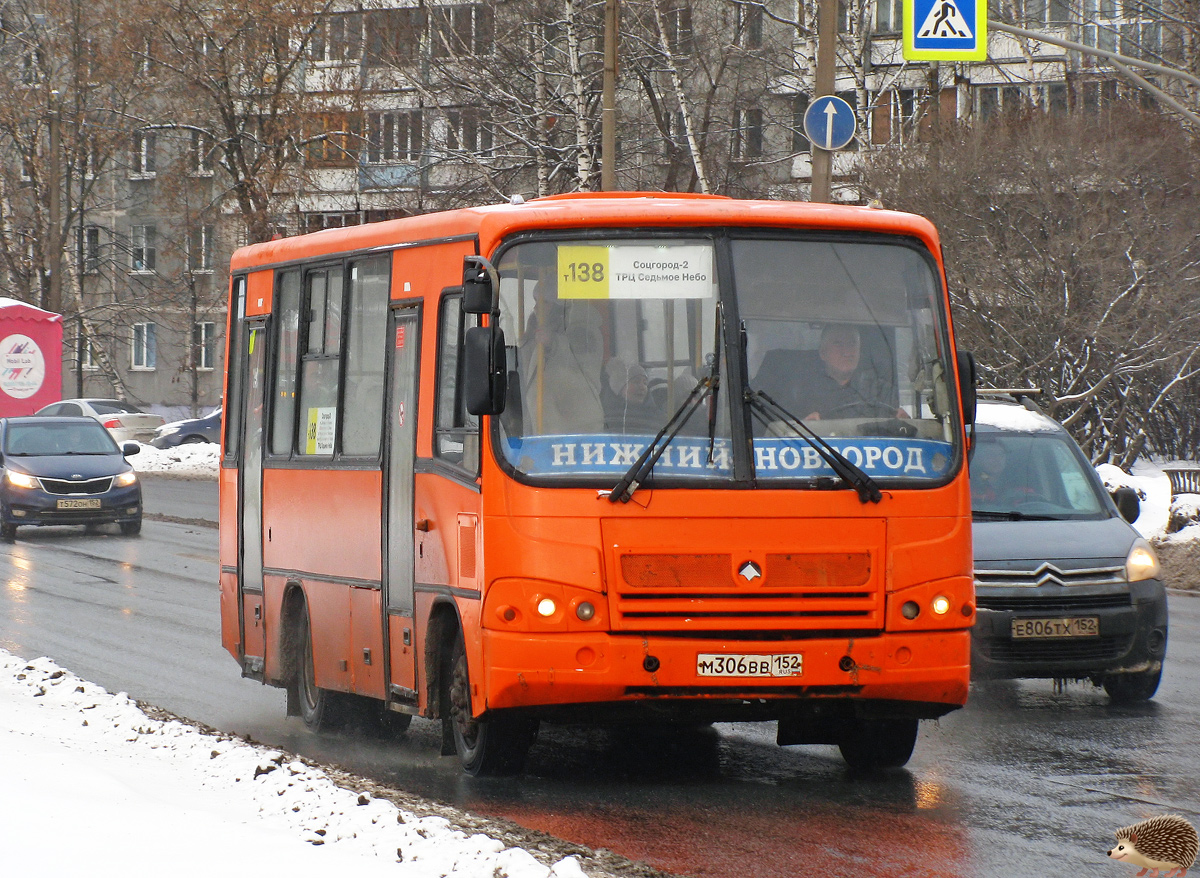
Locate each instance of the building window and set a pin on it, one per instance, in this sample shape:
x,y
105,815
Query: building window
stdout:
x,y
200,154
394,137
469,130
200,249
143,160
800,141
88,360
888,18
750,25
204,345
141,246
337,37
334,140
394,36
895,115
678,25
747,133
145,347
89,249
457,31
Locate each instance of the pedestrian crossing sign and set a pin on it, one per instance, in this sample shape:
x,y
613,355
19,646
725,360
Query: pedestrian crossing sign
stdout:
x,y
945,30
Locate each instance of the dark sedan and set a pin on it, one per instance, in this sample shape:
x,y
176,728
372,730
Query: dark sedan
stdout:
x,y
191,431
66,471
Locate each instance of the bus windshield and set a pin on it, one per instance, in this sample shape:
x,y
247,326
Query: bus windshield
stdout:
x,y
841,337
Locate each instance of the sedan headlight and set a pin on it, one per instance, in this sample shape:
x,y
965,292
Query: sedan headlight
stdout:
x,y
1142,563
20,479
124,480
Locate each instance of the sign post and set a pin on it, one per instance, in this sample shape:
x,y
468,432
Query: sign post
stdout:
x,y
945,30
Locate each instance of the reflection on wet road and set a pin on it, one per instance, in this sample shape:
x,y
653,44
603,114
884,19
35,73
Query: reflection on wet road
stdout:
x,y
1025,781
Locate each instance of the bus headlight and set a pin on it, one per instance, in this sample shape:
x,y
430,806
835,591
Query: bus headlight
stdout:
x,y
546,607
1142,563
20,480
940,605
539,605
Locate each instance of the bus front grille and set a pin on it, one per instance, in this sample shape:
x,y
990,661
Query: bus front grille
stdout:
x,y
811,590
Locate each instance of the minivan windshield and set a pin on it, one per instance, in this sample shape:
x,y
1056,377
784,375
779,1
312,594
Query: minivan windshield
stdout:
x,y
1032,475
609,336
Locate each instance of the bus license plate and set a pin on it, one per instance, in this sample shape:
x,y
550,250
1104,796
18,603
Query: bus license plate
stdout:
x,y
78,504
740,665
1085,626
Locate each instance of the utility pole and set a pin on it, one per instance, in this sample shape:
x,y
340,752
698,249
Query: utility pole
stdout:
x,y
54,233
608,112
822,159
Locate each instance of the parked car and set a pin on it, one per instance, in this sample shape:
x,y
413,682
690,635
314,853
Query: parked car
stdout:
x,y
1065,587
124,420
191,431
65,471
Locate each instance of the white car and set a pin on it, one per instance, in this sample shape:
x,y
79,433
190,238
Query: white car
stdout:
x,y
124,420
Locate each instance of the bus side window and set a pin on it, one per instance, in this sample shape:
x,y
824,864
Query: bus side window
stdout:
x,y
456,437
287,351
366,340
320,363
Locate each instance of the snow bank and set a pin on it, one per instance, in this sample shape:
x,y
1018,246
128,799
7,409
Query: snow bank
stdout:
x,y
199,461
1154,491
93,786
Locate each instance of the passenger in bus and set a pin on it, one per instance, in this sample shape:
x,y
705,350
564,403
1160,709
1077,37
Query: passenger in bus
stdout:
x,y
561,357
839,388
628,406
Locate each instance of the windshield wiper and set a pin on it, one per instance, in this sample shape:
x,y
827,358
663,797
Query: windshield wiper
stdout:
x,y
767,409
641,468
1012,515
636,474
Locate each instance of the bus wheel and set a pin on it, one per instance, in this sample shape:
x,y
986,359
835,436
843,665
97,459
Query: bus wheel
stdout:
x,y
319,708
493,746
882,743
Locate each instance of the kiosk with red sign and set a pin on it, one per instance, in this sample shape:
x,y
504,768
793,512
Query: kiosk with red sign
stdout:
x,y
30,358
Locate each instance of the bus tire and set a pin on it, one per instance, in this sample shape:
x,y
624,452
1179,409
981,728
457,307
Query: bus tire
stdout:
x,y
492,746
879,743
320,708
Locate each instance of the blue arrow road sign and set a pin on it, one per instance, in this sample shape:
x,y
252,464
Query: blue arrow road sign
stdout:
x,y
829,122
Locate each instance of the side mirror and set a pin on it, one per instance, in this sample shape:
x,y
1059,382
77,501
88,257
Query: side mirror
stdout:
x,y
967,379
485,370
481,282
128,449
1128,503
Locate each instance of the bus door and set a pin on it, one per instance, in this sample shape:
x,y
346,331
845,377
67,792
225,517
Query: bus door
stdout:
x,y
399,563
250,566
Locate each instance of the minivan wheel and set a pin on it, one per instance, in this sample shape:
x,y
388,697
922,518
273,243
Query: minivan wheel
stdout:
x,y
1132,688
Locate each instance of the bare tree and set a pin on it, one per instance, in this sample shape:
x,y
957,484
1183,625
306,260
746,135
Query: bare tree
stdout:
x,y
1073,262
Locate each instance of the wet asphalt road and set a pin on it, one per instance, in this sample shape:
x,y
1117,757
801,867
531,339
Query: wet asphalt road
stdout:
x,y
1024,781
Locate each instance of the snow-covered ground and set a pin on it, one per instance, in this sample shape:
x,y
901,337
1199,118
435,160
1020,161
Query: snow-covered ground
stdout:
x,y
198,461
93,786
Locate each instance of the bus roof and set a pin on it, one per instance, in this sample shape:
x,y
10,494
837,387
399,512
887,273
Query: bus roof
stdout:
x,y
580,210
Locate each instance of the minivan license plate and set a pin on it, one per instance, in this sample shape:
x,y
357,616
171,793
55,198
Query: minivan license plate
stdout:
x,y
1084,626
79,504
732,664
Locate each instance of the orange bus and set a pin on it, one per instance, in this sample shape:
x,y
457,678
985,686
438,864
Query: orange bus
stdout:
x,y
607,458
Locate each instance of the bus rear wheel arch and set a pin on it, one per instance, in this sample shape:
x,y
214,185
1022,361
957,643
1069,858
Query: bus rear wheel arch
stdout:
x,y
491,745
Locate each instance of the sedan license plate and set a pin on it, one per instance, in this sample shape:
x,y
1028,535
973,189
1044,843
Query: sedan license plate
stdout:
x,y
1084,626
79,504
742,665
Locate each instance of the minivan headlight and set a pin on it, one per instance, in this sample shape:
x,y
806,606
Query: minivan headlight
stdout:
x,y
1142,563
20,479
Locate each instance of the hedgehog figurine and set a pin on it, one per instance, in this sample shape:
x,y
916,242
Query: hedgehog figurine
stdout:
x,y
1168,842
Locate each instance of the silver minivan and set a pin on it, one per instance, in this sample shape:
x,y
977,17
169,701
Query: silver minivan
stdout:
x,y
1065,587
